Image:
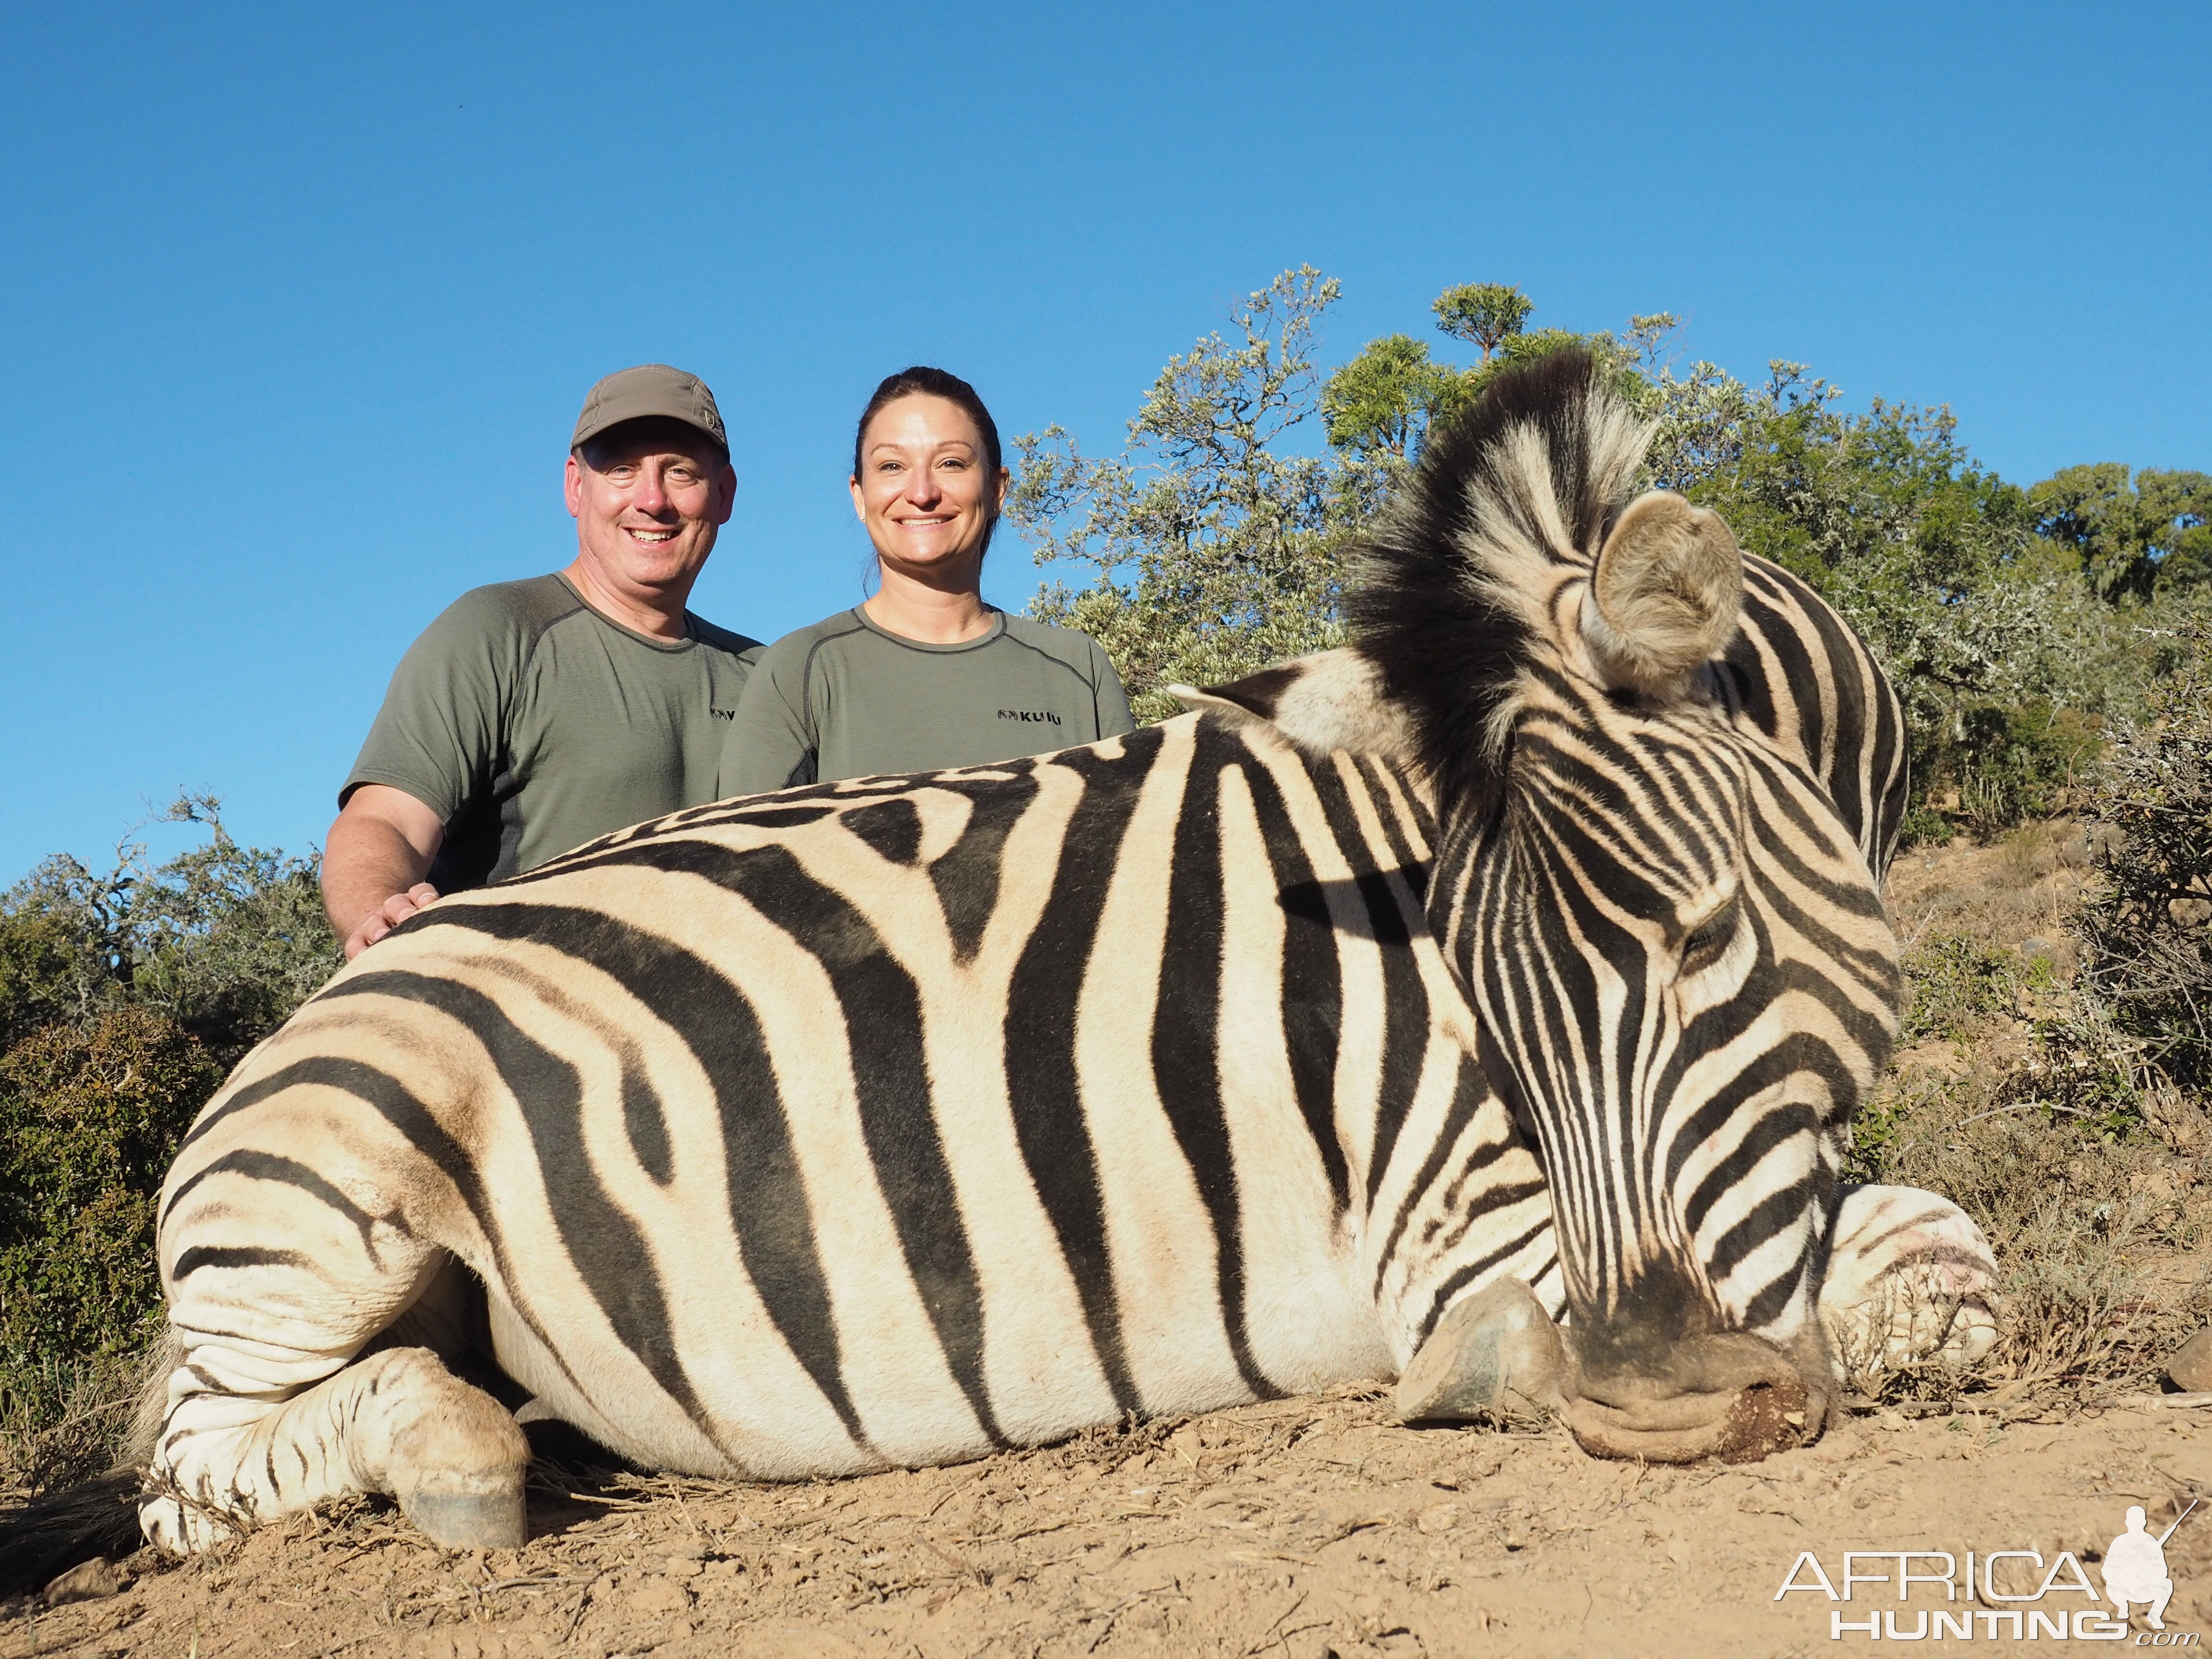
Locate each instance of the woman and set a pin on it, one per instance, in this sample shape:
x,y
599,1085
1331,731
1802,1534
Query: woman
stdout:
x,y
924,674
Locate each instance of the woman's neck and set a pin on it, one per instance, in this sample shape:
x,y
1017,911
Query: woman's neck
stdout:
x,y
928,612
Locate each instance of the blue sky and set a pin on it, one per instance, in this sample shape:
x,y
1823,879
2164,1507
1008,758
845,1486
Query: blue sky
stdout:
x,y
297,305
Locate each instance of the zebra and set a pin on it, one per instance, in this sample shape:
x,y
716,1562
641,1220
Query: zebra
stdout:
x,y
900,1120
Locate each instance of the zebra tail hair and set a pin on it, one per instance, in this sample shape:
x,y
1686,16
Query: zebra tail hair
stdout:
x,y
57,1530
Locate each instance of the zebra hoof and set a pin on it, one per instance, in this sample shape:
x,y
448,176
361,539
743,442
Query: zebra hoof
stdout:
x,y
1498,1352
488,1519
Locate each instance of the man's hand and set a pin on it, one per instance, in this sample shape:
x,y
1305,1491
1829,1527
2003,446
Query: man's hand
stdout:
x,y
386,916
378,851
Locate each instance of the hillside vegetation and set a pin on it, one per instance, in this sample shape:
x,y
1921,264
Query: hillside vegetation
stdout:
x,y
2048,640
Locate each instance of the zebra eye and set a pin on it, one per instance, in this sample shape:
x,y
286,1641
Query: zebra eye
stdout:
x,y
1710,937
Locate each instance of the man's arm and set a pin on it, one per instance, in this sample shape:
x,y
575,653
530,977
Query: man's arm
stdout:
x,y
374,863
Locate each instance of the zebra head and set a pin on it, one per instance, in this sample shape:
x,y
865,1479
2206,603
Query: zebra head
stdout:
x,y
1677,951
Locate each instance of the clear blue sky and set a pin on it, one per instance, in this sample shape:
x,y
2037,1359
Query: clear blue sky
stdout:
x,y
297,304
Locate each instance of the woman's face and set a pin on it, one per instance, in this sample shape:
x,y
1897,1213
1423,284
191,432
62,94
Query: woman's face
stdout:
x,y
924,488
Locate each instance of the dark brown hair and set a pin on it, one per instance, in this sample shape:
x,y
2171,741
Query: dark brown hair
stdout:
x,y
937,383
934,383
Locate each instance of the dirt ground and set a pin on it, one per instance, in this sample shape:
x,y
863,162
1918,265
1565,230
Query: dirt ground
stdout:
x,y
1299,1527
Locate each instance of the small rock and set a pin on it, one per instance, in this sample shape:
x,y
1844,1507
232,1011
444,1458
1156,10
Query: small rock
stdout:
x,y
658,1595
2190,1368
1440,1517
88,1580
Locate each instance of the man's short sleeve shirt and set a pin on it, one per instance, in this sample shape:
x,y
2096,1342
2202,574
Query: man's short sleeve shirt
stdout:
x,y
531,723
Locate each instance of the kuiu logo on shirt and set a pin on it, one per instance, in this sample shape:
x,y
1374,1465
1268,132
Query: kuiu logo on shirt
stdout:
x,y
722,713
1041,714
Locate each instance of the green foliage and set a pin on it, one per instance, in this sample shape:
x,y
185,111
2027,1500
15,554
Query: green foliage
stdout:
x,y
2134,537
1218,549
1385,400
1954,980
2007,665
89,1119
2147,936
225,940
124,997
1486,313
2028,761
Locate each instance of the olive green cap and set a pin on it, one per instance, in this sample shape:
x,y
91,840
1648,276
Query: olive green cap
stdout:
x,y
630,394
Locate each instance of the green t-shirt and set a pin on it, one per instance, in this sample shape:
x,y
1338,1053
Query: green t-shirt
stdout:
x,y
844,699
531,723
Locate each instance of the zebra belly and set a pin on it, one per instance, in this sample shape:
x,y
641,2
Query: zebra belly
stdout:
x,y
746,1408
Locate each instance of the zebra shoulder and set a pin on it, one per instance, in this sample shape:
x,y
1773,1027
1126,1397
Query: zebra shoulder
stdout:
x,y
1320,702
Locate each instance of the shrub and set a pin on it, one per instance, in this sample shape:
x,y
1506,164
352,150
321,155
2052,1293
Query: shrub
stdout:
x,y
89,1119
225,940
1954,979
2147,955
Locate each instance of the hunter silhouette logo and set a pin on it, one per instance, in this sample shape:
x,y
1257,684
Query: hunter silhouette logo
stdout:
x,y
2135,1568
2134,1571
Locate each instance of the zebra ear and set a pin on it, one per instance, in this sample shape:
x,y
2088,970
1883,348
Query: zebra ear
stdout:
x,y
1328,701
1666,595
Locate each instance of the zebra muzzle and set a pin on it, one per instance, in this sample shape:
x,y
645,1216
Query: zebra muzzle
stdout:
x,y
1727,1395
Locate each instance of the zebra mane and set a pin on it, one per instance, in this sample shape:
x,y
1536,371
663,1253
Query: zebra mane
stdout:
x,y
1455,587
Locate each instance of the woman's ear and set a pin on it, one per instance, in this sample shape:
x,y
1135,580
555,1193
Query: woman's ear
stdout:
x,y
860,501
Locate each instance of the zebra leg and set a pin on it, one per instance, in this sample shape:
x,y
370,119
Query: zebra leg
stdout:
x,y
270,1412
1911,1279
396,1422
1498,1350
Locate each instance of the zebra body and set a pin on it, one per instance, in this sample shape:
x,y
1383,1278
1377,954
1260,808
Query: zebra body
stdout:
x,y
896,1121
883,1124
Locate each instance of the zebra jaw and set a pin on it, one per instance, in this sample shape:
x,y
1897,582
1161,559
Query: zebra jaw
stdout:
x,y
1728,1396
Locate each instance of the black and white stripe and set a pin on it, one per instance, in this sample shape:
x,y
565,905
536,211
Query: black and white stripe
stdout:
x,y
1671,779
896,1121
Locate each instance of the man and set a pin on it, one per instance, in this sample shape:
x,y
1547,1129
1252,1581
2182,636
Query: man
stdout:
x,y
532,716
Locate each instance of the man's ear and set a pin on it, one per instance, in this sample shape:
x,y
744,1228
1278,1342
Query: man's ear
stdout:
x,y
726,488
571,485
1323,702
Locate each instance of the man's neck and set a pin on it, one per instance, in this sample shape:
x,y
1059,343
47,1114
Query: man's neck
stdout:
x,y
658,614
927,614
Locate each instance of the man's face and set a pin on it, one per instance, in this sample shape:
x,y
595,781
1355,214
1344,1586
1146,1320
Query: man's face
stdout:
x,y
647,498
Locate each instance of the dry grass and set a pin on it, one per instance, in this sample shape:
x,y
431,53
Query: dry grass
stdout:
x,y
82,1421
2013,1099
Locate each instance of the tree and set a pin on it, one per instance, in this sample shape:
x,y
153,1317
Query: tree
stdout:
x,y
1385,400
225,940
1217,548
1486,314
2133,537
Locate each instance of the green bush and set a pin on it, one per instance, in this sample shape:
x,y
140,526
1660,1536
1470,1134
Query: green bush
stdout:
x,y
1954,980
2022,762
89,1119
124,997
2147,936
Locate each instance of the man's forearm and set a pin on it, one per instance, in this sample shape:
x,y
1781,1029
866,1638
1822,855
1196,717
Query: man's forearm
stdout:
x,y
366,861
